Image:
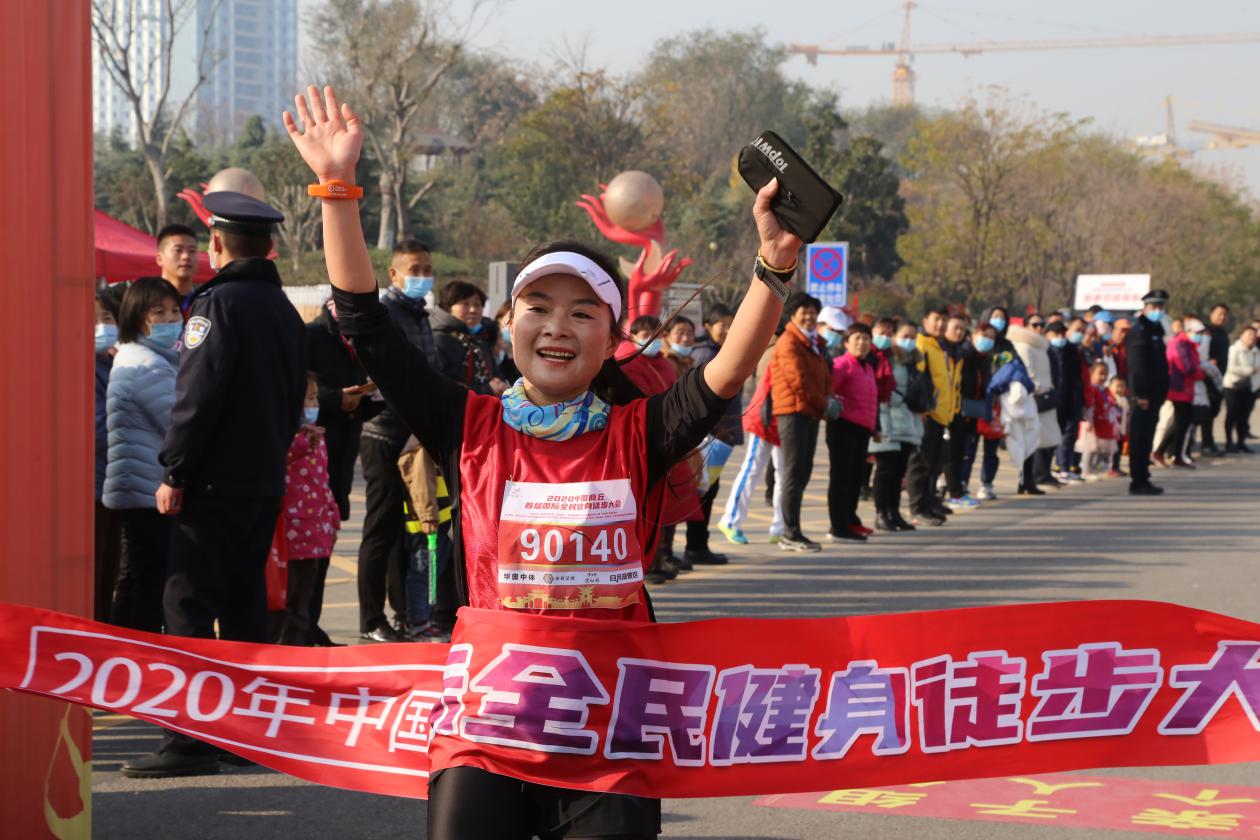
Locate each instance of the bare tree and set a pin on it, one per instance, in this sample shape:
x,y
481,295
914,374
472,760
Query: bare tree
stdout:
x,y
388,56
115,27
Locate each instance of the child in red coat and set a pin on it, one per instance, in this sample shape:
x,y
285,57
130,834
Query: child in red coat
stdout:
x,y
310,523
1097,439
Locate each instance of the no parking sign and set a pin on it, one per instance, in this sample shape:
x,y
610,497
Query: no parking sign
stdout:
x,y
827,272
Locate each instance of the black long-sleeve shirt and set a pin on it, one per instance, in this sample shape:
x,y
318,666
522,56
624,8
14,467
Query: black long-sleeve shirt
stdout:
x,y
433,405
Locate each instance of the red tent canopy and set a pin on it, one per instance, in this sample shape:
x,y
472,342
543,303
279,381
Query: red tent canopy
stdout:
x,y
124,253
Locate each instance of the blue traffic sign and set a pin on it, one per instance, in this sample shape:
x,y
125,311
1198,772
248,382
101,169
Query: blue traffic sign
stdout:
x,y
827,272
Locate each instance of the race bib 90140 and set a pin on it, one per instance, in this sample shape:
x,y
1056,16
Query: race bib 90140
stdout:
x,y
569,546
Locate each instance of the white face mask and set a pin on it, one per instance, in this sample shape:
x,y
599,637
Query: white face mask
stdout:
x,y
214,262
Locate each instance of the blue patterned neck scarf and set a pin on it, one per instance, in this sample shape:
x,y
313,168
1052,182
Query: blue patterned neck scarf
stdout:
x,y
561,421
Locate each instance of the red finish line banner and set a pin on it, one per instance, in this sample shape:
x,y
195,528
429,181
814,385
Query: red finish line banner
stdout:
x,y
712,708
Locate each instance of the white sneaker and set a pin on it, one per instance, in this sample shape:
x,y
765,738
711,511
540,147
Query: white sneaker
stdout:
x,y
986,493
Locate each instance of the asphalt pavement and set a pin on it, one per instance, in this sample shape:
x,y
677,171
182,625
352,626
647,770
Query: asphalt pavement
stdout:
x,y
1198,545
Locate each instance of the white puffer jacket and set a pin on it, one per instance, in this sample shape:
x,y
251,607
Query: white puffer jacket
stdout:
x,y
137,414
1034,352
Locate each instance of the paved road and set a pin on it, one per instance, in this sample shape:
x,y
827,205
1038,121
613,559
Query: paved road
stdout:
x,y
1198,546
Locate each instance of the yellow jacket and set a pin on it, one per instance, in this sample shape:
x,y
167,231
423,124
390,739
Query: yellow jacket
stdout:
x,y
946,373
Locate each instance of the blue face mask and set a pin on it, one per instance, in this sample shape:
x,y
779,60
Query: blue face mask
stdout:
x,y
680,350
476,328
881,342
506,335
999,324
832,339
984,344
906,344
1154,316
652,348
417,287
1076,337
310,415
106,337
165,335
1058,342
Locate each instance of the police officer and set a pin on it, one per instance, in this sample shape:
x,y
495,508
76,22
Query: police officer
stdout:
x,y
238,404
1148,387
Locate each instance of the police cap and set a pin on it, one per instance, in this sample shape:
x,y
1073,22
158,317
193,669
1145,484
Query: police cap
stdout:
x,y
1155,296
234,212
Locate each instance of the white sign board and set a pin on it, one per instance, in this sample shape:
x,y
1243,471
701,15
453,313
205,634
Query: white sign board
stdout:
x,y
1119,292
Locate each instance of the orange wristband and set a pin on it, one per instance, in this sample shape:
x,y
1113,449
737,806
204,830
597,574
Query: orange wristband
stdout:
x,y
335,189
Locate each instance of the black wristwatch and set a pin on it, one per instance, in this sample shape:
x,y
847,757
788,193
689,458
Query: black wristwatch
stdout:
x,y
775,279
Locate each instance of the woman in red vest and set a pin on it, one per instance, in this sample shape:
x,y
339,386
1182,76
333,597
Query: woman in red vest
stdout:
x,y
567,444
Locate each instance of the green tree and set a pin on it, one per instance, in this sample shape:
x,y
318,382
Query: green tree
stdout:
x,y
873,215
582,133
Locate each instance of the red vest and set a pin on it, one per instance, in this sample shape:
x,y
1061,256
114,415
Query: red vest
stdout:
x,y
557,528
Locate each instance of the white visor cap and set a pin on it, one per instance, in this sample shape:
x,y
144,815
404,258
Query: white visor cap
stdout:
x,y
567,262
835,318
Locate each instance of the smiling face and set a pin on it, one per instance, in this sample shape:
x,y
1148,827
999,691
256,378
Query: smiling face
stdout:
x,y
561,336
858,344
806,319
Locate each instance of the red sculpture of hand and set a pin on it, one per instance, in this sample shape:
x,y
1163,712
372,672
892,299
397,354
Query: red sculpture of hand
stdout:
x,y
594,208
661,279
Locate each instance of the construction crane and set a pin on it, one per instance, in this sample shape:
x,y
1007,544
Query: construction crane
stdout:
x,y
1163,145
1227,136
903,76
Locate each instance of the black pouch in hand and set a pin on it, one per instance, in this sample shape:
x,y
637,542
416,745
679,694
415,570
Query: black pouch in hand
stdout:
x,y
805,202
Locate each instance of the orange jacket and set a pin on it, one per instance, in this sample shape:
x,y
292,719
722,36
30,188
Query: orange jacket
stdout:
x,y
800,375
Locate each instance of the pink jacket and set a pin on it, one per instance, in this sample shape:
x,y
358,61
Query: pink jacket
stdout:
x,y
1183,368
854,383
311,517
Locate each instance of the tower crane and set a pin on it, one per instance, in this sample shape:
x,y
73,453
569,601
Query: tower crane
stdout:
x,y
1226,136
903,76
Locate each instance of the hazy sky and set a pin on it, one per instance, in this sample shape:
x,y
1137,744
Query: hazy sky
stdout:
x,y
1122,90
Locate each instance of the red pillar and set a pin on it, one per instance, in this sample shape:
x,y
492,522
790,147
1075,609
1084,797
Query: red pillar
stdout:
x,y
46,460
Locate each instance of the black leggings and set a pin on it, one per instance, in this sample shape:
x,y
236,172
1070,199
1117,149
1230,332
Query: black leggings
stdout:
x,y
846,443
1237,406
467,803
1174,443
890,469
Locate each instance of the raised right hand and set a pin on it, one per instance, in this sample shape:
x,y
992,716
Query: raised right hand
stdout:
x,y
331,136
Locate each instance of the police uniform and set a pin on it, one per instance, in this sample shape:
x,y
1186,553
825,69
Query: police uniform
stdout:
x,y
238,404
1148,380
